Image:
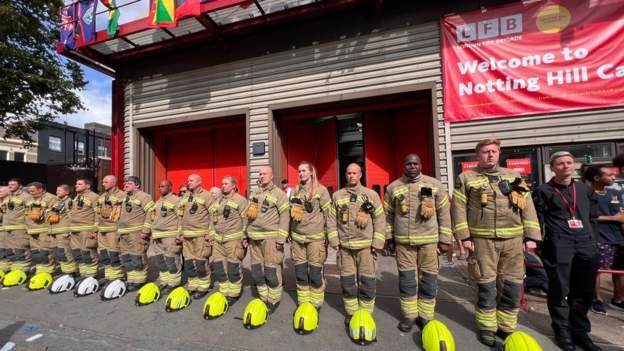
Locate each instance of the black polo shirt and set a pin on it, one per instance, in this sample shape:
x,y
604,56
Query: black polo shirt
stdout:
x,y
554,214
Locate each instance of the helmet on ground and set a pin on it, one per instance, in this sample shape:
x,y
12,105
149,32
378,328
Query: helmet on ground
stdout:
x,y
520,341
86,287
362,327
177,299
40,281
256,314
306,318
14,278
216,305
437,337
149,293
113,290
62,284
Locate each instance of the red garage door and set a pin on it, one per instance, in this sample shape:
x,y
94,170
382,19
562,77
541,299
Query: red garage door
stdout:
x,y
210,152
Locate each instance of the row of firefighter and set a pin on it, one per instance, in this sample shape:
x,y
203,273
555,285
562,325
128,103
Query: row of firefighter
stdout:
x,y
111,232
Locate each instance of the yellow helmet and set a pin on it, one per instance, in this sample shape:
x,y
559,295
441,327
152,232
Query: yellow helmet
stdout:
x,y
256,314
306,318
520,341
40,281
177,300
149,293
14,278
216,305
437,337
362,327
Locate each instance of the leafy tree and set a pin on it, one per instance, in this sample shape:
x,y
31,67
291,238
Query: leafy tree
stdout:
x,y
36,84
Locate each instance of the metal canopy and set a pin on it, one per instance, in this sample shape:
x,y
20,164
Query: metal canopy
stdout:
x,y
218,17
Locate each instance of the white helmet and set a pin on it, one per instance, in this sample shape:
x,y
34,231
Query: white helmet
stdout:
x,y
62,284
86,286
113,290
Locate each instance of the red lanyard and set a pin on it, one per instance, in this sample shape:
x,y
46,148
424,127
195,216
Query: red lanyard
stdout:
x,y
572,208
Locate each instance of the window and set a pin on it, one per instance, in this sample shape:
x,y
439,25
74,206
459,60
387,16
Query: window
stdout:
x,y
55,143
18,156
3,155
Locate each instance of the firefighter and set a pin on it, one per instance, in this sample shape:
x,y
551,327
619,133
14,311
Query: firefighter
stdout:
x,y
361,226
132,240
267,229
38,228
418,219
229,242
109,210
14,209
494,217
195,227
312,227
60,223
84,240
5,264
163,223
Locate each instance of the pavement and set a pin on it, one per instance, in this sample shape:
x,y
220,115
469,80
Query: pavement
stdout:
x,y
40,321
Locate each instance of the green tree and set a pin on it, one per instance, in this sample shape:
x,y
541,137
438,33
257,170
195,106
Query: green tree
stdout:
x,y
36,84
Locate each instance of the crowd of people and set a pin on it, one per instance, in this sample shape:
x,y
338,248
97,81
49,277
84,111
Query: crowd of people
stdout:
x,y
199,234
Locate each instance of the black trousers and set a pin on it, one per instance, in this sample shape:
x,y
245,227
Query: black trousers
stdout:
x,y
571,262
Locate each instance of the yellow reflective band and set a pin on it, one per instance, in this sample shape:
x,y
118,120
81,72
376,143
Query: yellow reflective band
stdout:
x,y
459,195
157,234
83,228
37,230
444,202
127,230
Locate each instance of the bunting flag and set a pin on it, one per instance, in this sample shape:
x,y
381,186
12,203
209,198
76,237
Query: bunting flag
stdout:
x,y
67,27
163,14
187,8
85,28
113,17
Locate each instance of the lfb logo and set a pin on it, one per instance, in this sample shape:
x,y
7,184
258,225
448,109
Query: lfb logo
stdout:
x,y
489,29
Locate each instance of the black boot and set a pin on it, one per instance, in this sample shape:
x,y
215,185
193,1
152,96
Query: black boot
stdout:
x,y
406,324
487,338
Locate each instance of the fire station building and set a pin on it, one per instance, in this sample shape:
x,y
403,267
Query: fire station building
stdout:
x,y
275,82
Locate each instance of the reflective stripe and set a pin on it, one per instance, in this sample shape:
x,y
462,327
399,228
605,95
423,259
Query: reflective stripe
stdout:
x,y
194,233
459,195
14,227
59,230
136,228
514,231
107,228
164,233
82,228
37,230
303,238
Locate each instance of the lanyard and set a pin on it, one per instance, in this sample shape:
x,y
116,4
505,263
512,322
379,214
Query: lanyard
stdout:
x,y
571,209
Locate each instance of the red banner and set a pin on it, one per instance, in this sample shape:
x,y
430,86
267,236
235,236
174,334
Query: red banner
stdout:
x,y
520,165
538,57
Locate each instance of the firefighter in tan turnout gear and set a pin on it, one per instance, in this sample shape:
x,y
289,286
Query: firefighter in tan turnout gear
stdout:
x,y
14,210
228,238
58,218
163,225
418,218
267,230
493,216
194,209
132,241
109,210
38,229
84,240
361,226
312,224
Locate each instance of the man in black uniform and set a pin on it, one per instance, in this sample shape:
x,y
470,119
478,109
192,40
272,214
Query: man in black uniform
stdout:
x,y
568,214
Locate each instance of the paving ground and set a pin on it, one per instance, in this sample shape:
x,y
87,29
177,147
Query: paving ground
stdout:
x,y
40,321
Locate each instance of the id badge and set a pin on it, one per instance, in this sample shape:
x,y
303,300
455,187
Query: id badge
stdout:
x,y
575,224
